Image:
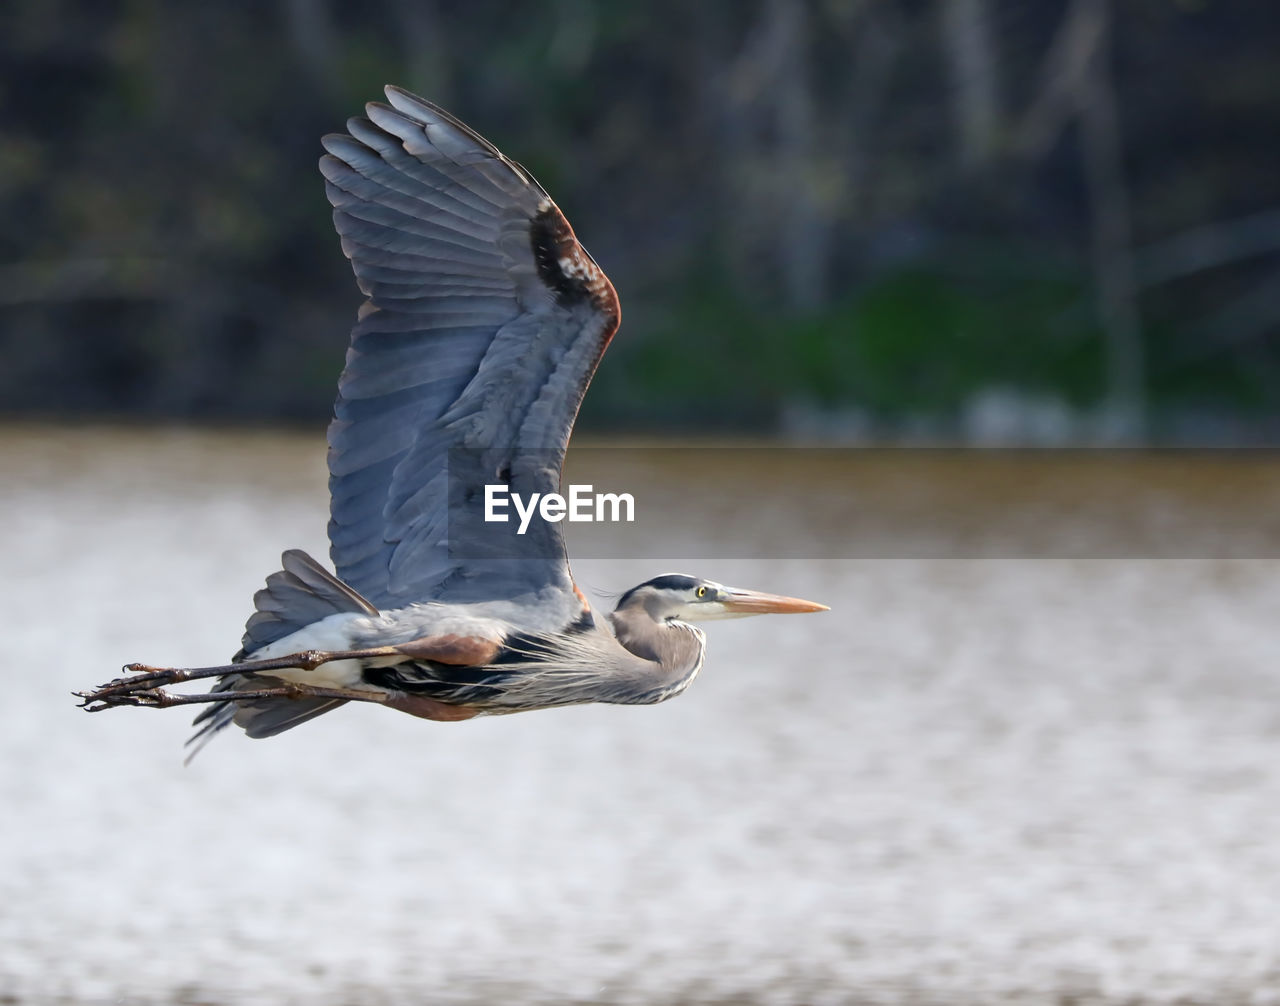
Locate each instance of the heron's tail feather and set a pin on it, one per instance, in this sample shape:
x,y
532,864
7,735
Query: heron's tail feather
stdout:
x,y
301,593
259,717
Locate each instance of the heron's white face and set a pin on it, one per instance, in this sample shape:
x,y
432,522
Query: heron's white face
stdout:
x,y
689,599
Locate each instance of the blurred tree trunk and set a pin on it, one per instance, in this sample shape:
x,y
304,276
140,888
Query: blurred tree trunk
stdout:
x,y
1112,236
312,37
803,247
969,50
736,89
1077,86
770,121
428,63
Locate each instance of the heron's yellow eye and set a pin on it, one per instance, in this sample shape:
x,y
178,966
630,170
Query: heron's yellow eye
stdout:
x,y
702,591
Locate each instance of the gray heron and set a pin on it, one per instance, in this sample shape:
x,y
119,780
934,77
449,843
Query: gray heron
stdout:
x,y
483,322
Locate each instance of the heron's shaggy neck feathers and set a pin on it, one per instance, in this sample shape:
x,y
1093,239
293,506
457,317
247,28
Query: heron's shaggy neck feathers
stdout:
x,y
670,652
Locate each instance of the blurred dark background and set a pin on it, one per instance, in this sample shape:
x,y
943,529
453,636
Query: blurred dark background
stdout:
x,y
1054,221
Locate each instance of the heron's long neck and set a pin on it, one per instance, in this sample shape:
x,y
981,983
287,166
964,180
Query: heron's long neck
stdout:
x,y
671,652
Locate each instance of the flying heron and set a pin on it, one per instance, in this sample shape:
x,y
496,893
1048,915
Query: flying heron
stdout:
x,y
483,322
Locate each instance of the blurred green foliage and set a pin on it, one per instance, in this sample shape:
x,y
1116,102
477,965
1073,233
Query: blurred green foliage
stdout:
x,y
912,341
848,206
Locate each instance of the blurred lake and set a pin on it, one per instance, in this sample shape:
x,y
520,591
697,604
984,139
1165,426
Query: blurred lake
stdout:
x,y
1032,755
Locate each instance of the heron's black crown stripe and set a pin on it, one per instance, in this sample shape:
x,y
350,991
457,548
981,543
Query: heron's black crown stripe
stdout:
x,y
668,581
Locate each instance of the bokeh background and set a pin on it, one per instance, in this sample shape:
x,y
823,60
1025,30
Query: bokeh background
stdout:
x,y
1051,221
1031,755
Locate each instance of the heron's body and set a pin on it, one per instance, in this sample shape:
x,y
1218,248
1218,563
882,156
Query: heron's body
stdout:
x,y
504,655
483,322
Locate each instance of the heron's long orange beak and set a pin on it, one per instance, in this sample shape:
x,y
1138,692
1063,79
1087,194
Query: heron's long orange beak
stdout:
x,y
751,602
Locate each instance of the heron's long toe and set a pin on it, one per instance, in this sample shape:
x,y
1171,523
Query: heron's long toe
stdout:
x,y
108,697
139,673
140,687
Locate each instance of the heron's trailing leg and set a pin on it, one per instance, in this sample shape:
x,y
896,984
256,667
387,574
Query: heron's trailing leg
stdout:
x,y
308,660
144,681
154,697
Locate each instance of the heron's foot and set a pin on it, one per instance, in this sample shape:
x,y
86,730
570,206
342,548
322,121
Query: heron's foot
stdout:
x,y
114,694
139,688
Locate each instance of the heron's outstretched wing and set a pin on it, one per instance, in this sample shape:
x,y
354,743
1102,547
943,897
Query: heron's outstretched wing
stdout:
x,y
484,322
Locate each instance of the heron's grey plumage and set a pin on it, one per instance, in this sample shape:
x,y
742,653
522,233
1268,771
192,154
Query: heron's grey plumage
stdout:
x,y
259,717
483,322
467,364
301,593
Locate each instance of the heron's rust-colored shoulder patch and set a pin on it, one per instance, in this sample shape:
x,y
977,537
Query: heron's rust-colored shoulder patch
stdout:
x,y
566,267
471,651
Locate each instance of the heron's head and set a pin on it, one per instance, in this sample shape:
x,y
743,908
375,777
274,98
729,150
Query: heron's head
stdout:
x,y
689,599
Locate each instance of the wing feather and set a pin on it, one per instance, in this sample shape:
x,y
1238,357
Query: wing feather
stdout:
x,y
484,321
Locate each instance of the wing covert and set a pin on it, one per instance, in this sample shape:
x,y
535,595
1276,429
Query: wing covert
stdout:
x,y
483,323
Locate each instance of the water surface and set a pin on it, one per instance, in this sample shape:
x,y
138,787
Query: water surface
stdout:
x,y
1032,779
